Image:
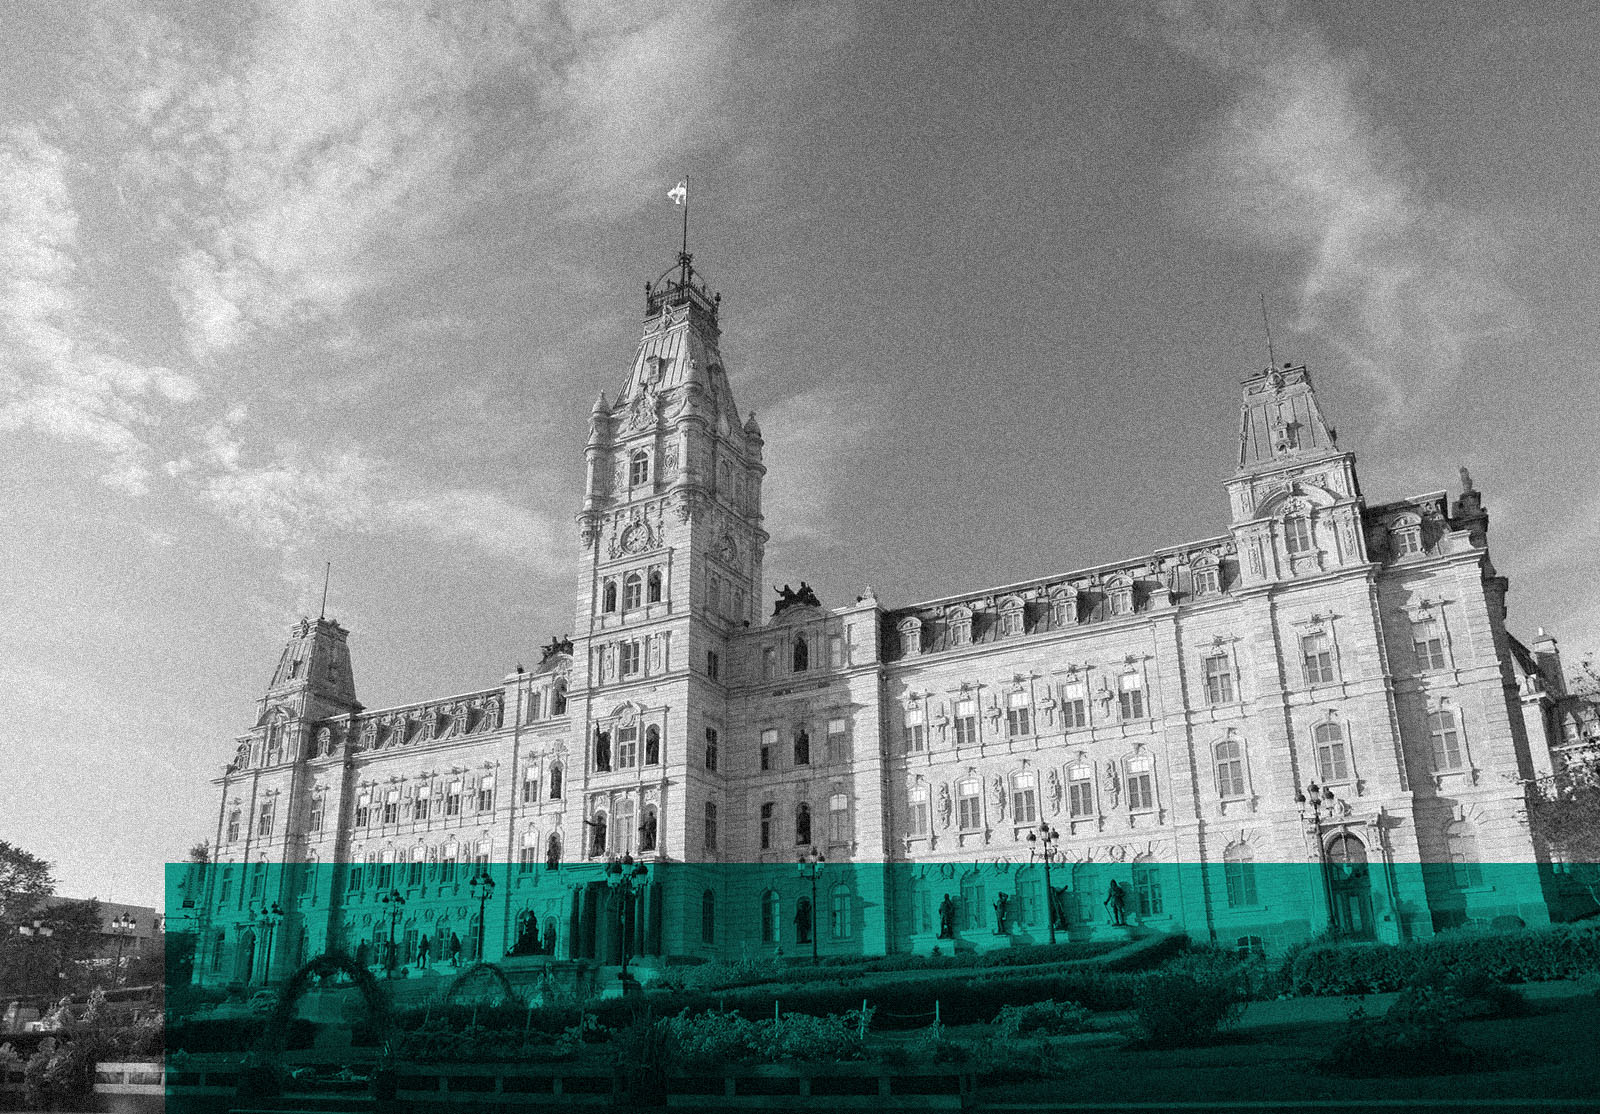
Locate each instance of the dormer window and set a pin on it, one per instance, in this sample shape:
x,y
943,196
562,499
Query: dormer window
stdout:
x,y
1064,608
1407,539
1120,592
960,627
1011,618
638,468
910,631
1207,581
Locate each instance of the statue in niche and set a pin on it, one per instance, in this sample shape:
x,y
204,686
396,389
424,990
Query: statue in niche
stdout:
x,y
997,791
1002,912
944,805
1058,906
324,745
1113,783
1116,903
241,757
1055,792
947,918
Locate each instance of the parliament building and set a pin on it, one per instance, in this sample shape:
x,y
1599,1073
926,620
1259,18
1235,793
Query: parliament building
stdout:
x,y
1315,720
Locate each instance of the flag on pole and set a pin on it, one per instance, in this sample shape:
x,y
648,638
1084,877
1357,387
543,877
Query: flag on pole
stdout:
x,y
679,193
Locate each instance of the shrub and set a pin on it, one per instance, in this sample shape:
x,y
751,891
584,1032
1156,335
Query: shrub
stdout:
x,y
1048,1019
1528,955
718,1037
1413,1038
1179,1009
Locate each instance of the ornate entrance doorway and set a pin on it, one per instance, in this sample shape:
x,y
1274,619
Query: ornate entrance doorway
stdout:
x,y
1350,886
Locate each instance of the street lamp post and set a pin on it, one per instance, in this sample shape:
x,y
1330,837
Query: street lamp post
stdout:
x,y
482,889
270,918
38,930
395,902
122,928
1317,803
812,863
625,877
1044,845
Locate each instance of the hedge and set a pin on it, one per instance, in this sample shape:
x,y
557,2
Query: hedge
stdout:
x,y
1528,955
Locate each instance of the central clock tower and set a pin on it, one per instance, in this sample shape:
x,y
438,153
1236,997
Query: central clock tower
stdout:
x,y
671,550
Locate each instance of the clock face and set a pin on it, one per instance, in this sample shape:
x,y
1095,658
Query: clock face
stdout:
x,y
635,538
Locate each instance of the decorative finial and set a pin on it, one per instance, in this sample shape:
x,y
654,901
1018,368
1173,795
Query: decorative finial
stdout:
x,y
1466,481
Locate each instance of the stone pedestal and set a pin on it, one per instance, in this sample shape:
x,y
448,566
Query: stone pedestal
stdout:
x,y
981,942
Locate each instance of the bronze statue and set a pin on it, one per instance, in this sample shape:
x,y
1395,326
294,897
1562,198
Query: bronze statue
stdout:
x,y
947,918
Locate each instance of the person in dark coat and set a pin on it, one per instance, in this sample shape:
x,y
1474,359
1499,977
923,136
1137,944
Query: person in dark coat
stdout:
x,y
455,950
422,953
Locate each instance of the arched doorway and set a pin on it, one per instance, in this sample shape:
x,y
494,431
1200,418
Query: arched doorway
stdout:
x,y
1350,886
244,957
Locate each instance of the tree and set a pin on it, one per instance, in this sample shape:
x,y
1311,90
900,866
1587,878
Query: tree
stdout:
x,y
1564,811
25,881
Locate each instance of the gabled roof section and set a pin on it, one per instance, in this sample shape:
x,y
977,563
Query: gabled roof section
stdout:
x,y
1280,422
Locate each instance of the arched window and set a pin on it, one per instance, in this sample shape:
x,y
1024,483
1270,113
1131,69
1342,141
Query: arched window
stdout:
x,y
555,782
1333,757
632,591
597,835
802,747
638,468
552,852
1445,736
711,826
708,917
1147,887
1229,756
771,910
802,654
1239,871
647,829
839,912
608,597
802,823
558,702
652,592
1461,843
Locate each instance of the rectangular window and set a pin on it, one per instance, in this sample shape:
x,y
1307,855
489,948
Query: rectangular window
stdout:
x,y
838,818
1024,799
1141,784
1428,642
264,822
363,810
713,665
966,722
1219,679
627,746
258,881
769,747
711,826
630,658
318,805
391,807
1019,714
921,813
1446,739
419,810
1316,654
838,741
527,858
385,874
1075,705
530,790
969,804
1297,535
1407,540
769,663
1080,791
802,746
766,825
1130,695
452,800
486,794
835,650
916,731
447,865
711,748
355,878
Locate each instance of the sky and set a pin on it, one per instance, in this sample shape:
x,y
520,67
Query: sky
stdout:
x,y
289,283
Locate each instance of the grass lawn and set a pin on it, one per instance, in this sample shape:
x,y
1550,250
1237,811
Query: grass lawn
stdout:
x,y
1548,1054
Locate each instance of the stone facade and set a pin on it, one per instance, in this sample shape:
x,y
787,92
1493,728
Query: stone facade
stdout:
x,y
1317,717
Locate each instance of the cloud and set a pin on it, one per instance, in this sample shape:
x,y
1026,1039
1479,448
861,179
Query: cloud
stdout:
x,y
1400,282
817,436
61,376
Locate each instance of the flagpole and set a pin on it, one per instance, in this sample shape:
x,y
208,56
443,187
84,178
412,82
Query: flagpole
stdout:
x,y
683,257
